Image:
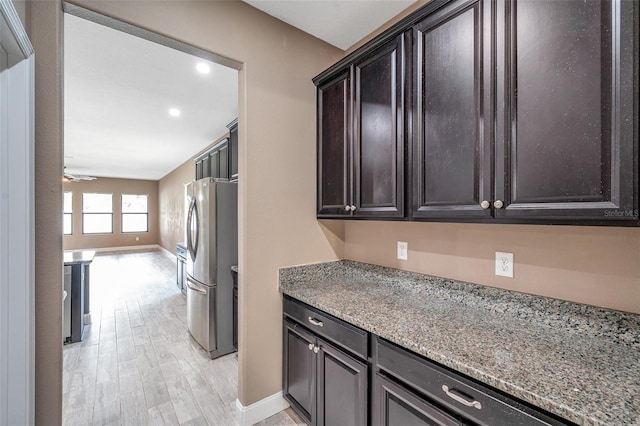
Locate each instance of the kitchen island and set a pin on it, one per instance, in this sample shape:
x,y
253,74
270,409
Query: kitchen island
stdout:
x,y
79,307
578,362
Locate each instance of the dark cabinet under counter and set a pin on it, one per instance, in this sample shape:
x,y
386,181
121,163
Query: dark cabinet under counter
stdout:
x,y
337,374
325,372
234,274
407,386
181,267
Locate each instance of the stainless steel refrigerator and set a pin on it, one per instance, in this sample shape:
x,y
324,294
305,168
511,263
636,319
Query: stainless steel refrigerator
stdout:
x,y
212,246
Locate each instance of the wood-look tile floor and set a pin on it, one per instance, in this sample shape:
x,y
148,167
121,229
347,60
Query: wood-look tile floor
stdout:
x,y
138,364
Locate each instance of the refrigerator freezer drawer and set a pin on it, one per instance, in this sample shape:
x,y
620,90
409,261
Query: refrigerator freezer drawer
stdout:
x,y
201,313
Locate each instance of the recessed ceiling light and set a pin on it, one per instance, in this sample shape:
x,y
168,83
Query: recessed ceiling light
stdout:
x,y
203,68
174,112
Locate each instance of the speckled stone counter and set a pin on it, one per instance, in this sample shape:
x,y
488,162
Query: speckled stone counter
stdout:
x,y
579,362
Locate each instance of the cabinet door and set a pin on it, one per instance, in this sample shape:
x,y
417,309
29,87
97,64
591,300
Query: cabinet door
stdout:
x,y
179,274
233,151
235,316
566,147
215,164
334,156
224,161
206,167
299,370
199,169
452,137
396,405
342,388
378,138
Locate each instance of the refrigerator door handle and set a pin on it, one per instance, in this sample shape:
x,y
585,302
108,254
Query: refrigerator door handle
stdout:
x,y
194,288
193,248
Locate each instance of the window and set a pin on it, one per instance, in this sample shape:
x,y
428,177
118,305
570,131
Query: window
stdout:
x,y
67,223
135,216
97,214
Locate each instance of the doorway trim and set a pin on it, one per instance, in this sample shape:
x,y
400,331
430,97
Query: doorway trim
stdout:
x,y
17,221
133,30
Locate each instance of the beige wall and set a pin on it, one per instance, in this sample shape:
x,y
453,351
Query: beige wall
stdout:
x,y
593,265
277,224
116,187
45,24
171,196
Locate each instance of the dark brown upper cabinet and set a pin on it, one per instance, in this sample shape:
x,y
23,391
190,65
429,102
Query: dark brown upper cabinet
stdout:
x,y
512,111
452,175
221,161
566,90
378,136
361,137
214,162
233,149
334,146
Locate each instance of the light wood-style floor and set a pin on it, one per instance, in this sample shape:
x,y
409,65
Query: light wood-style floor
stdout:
x,y
138,365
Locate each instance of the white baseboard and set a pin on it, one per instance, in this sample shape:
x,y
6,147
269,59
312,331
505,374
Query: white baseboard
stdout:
x,y
123,248
267,407
167,253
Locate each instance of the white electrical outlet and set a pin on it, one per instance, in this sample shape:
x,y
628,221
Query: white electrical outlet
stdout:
x,y
403,250
504,264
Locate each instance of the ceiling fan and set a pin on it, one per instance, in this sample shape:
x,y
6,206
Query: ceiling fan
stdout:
x,y
68,177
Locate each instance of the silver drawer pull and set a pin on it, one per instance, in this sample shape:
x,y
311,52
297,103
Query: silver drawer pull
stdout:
x,y
460,399
316,322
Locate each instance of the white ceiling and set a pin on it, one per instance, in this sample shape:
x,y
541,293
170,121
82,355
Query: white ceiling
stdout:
x,y
339,22
118,90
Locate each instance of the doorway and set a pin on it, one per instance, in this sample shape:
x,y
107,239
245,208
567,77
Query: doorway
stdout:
x,y
136,362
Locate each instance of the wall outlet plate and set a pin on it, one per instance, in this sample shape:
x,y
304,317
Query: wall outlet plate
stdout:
x,y
504,264
403,250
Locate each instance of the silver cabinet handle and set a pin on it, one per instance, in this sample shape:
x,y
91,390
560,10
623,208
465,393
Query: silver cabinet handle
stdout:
x,y
498,204
353,208
316,322
310,346
316,349
460,399
347,208
485,204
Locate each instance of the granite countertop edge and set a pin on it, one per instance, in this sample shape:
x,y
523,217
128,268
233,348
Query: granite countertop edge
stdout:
x,y
288,286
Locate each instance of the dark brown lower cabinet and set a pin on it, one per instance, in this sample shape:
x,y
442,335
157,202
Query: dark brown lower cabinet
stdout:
x,y
342,387
396,405
300,371
234,274
326,367
412,390
323,384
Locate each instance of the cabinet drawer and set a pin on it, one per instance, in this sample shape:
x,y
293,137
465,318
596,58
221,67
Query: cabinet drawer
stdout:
x,y
325,325
458,394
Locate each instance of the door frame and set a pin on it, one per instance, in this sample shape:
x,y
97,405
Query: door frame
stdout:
x,y
17,222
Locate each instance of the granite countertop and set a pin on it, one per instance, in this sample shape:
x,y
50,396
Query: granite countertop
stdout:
x,y
579,362
78,256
